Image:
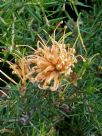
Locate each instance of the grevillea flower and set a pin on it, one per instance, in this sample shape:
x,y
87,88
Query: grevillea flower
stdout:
x,y
51,64
22,69
47,66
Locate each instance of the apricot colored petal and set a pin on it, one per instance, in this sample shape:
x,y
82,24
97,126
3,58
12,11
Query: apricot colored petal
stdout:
x,y
56,83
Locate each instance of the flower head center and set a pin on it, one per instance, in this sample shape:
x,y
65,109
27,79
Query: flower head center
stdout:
x,y
58,67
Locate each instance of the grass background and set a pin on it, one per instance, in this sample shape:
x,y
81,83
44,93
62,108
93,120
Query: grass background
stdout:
x,y
72,110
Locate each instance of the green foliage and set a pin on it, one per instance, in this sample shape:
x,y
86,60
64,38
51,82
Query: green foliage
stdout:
x,y
74,109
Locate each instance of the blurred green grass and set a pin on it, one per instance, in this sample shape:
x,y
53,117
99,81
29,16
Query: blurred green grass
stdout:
x,y
75,110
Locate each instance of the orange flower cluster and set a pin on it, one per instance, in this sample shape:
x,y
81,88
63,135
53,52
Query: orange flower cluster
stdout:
x,y
51,63
47,65
22,69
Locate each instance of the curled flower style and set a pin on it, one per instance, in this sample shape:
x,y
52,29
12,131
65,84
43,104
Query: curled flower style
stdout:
x,y
52,63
